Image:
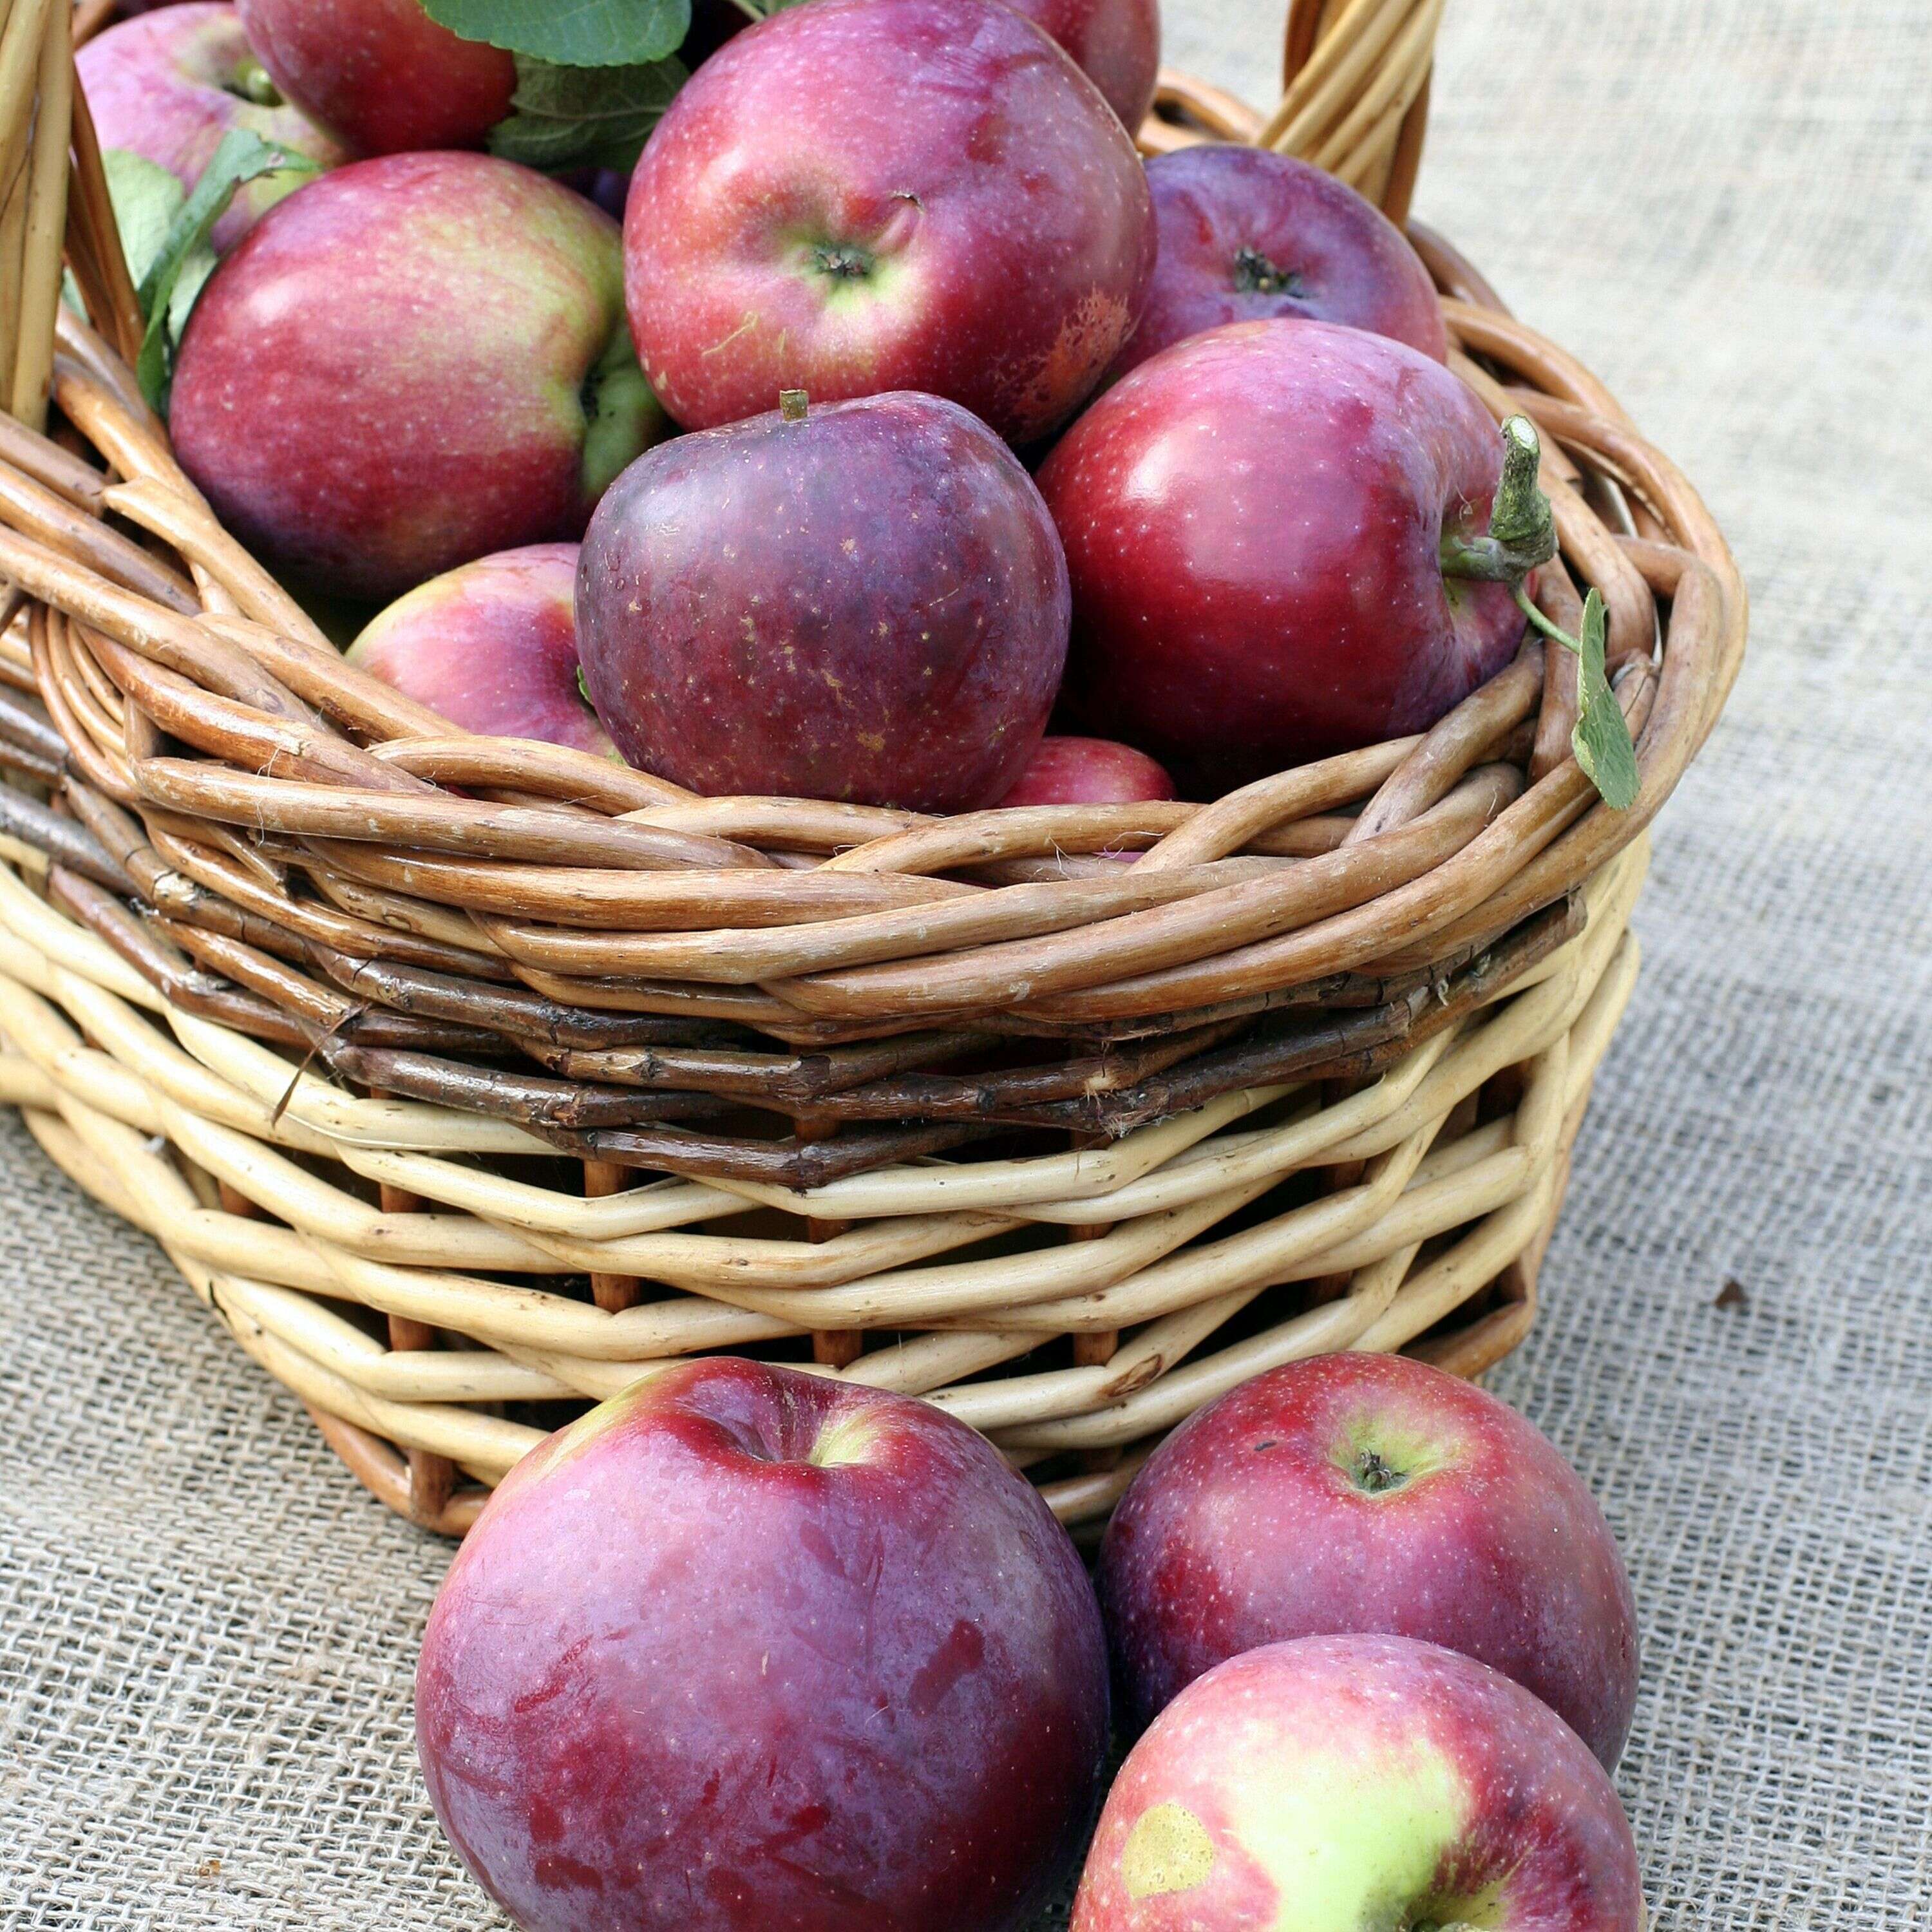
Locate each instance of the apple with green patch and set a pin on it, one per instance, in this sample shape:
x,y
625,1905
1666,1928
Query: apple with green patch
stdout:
x,y
416,361
169,86
746,1648
1360,1784
1366,1492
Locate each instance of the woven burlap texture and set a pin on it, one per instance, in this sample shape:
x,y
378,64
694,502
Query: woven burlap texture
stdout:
x,y
1725,206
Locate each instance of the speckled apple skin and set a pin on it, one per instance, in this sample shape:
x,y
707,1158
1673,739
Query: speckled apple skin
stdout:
x,y
380,75
1115,44
1245,1528
681,1677
492,645
387,378
159,86
1089,771
999,201
1252,521
1360,1784
1351,264
870,605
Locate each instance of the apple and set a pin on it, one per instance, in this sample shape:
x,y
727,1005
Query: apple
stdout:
x,y
416,361
1359,1492
1343,1783
168,86
1088,771
859,195
747,1647
380,75
862,601
1115,44
1247,235
492,645
1254,522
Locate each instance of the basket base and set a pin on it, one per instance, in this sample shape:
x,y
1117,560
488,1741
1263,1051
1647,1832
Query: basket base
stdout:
x,y
1412,1213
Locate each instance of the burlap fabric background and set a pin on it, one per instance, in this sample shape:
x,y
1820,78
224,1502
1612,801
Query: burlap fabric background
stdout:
x,y
207,1632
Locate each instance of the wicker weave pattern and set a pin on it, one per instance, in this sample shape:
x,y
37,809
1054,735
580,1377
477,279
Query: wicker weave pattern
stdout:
x,y
375,1025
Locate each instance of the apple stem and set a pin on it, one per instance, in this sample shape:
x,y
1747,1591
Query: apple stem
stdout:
x,y
251,83
1255,275
1522,526
792,405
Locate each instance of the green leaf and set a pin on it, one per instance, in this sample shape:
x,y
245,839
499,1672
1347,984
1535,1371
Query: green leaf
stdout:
x,y
146,198
584,117
182,265
1601,739
572,33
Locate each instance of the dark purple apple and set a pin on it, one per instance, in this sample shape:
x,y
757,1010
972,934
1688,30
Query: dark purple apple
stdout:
x,y
749,1649
492,645
861,601
414,361
380,75
1088,771
1247,235
1360,1784
1115,44
1254,523
859,195
167,88
1361,1492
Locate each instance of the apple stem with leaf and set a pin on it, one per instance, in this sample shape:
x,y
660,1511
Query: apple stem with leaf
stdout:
x,y
1522,535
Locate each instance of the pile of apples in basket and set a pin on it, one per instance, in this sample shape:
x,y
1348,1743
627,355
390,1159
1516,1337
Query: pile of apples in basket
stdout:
x,y
907,413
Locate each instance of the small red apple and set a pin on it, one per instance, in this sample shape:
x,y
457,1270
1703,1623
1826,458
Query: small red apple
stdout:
x,y
859,195
1342,1783
867,602
414,361
1361,1492
380,75
1247,235
1088,771
746,1648
168,87
492,645
1254,522
1115,44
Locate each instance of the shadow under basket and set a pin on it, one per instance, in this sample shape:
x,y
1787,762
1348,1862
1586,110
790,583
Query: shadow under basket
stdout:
x,y
469,1080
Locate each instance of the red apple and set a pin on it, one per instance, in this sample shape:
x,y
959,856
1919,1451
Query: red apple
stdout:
x,y
1345,1782
749,1649
414,361
1359,1493
380,75
1247,235
866,603
1088,771
492,645
168,87
1253,523
1115,44
864,195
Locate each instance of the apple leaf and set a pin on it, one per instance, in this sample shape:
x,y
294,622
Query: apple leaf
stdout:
x,y
146,198
1601,739
572,33
584,117
179,268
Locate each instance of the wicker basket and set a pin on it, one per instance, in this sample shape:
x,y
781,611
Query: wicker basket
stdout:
x,y
467,1080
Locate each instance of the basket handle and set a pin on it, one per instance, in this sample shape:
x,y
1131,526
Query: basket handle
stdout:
x,y
1355,98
